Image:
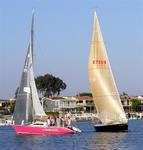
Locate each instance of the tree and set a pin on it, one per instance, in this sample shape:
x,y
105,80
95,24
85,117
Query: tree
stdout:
x,y
135,104
48,85
12,106
85,94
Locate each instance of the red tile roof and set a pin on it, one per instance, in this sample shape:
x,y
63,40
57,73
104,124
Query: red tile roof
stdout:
x,y
83,97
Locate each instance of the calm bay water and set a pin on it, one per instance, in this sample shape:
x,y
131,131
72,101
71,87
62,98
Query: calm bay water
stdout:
x,y
87,140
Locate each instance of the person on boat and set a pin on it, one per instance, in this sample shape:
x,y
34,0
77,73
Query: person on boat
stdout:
x,y
62,121
68,115
66,121
52,121
58,123
48,121
69,121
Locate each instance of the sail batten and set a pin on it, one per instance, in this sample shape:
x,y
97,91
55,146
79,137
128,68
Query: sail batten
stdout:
x,y
102,83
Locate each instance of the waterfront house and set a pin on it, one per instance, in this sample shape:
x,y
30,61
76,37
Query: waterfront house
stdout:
x,y
126,102
71,104
59,104
85,104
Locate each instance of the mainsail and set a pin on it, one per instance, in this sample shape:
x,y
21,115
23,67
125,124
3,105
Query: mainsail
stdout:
x,y
27,102
102,83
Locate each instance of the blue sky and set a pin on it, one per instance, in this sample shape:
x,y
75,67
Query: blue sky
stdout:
x,y
63,30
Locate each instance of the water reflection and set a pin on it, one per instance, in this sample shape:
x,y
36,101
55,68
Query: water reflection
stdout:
x,y
36,142
28,142
106,141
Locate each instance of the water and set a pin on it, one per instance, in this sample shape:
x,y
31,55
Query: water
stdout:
x,y
87,140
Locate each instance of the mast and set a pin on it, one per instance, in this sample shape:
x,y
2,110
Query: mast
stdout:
x,y
37,107
102,83
32,33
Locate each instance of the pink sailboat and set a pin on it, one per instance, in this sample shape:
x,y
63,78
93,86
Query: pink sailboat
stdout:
x,y
42,130
28,104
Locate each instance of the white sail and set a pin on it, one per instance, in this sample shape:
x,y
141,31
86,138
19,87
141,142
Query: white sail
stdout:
x,y
37,107
103,87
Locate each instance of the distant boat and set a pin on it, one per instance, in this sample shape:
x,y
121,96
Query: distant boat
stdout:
x,y
28,105
110,111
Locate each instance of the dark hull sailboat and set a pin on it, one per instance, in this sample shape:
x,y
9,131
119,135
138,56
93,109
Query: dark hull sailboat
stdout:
x,y
111,128
103,87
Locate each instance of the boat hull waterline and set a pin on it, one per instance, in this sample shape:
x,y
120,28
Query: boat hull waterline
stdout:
x,y
23,129
111,128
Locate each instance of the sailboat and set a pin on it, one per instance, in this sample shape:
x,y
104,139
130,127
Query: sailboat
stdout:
x,y
106,98
28,105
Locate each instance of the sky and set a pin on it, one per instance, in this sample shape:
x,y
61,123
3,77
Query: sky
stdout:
x,y
62,37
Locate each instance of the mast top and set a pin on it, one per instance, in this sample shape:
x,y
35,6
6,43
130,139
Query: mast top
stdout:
x,y
95,17
33,11
95,14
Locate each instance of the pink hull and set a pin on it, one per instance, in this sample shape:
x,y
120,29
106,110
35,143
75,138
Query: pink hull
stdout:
x,y
21,129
